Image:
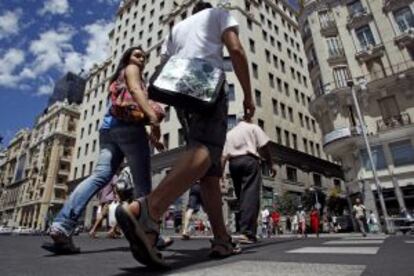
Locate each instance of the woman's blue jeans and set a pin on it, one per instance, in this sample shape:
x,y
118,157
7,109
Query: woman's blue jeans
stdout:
x,y
116,143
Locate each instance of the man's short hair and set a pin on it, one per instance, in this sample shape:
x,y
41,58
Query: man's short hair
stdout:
x,y
201,6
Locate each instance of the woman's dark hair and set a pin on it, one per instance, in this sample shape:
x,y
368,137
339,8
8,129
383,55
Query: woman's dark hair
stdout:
x,y
201,6
123,62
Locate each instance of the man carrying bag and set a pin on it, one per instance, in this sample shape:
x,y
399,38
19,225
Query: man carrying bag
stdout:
x,y
201,36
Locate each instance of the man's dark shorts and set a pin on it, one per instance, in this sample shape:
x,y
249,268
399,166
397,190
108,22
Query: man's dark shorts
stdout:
x,y
208,129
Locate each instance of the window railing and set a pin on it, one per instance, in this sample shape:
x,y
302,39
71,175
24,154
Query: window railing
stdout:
x,y
327,24
337,52
357,13
393,122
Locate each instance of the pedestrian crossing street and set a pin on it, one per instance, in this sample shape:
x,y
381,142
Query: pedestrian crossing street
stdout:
x,y
356,245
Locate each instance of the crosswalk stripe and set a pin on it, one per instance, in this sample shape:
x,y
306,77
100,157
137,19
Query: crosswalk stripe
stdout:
x,y
337,250
253,268
409,241
365,238
354,242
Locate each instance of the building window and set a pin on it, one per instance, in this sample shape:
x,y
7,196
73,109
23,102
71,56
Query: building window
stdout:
x,y
83,170
291,174
318,150
271,80
295,141
166,140
90,167
312,149
404,18
86,148
267,54
377,155
334,46
278,135
231,93
97,125
305,145
287,138
402,153
389,110
301,119
290,112
249,24
94,146
283,110
181,137
167,113
317,180
355,8
252,46
261,123
255,71
341,76
279,84
365,37
258,97
275,107
231,121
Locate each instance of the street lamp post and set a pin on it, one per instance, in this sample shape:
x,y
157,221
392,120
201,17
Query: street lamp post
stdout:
x,y
371,160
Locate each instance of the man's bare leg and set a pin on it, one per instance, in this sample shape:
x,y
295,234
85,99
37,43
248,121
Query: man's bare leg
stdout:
x,y
191,166
212,204
187,218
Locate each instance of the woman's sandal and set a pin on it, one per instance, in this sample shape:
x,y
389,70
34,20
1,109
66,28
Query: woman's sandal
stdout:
x,y
136,229
229,248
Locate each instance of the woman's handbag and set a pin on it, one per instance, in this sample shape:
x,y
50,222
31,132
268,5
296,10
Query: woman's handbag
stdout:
x,y
192,84
124,106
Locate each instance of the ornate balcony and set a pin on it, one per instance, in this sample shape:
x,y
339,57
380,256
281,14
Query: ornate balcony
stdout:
x,y
405,39
336,56
369,52
358,18
337,141
392,5
403,119
329,28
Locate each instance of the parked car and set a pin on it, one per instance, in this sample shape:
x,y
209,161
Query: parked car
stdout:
x,y
4,230
21,230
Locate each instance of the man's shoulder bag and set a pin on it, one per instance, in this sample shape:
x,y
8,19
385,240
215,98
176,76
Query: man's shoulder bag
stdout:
x,y
192,84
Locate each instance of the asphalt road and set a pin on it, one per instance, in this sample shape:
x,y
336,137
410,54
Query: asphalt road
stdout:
x,y
332,255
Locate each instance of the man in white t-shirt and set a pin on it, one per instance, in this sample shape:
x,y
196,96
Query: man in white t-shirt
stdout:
x,y
245,144
202,35
360,216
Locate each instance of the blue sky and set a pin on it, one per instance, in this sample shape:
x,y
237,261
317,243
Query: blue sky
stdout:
x,y
39,42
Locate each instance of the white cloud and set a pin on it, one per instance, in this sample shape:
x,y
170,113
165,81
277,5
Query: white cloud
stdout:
x,y
53,50
46,89
8,64
111,2
55,7
9,23
98,48
50,48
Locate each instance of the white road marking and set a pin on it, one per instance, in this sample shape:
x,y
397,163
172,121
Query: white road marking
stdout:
x,y
337,250
266,268
354,242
